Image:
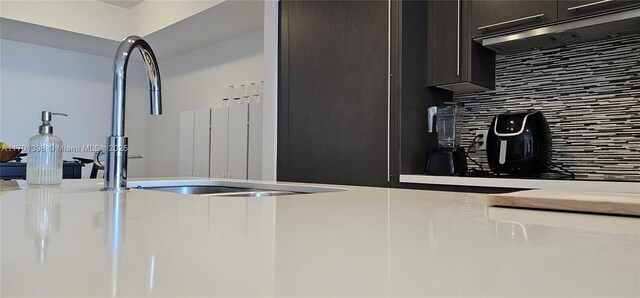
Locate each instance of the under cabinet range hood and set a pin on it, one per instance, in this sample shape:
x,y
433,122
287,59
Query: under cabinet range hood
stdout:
x,y
609,25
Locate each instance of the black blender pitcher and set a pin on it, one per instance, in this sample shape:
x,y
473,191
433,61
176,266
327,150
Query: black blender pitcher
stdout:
x,y
448,158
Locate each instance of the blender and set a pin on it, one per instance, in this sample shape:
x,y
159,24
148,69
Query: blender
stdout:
x,y
448,158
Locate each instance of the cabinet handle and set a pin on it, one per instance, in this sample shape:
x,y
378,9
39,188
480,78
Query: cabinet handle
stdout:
x,y
588,5
511,21
458,41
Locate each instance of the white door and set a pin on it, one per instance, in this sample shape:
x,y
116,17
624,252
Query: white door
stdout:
x,y
201,143
219,142
185,158
238,140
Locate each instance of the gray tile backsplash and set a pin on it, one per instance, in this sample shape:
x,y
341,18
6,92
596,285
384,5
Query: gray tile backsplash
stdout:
x,y
590,95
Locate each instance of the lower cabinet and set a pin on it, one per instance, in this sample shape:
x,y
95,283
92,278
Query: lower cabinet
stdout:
x,y
254,156
237,142
185,156
221,143
194,143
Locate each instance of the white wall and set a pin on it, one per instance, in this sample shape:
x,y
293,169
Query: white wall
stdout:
x,y
35,78
197,80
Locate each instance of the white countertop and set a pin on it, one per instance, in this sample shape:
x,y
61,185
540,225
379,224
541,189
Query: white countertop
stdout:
x,y
525,183
74,240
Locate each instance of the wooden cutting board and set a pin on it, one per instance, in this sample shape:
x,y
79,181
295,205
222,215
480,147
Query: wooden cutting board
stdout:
x,y
570,200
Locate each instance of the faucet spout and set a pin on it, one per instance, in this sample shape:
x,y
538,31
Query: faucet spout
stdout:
x,y
120,80
115,176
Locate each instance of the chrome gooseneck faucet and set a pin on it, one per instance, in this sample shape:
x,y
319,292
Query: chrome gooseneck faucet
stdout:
x,y
115,176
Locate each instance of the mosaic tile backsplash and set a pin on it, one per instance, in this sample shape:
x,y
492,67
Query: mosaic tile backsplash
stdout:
x,y
590,95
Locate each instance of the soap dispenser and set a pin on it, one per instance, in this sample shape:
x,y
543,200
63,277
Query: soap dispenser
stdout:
x,y
44,154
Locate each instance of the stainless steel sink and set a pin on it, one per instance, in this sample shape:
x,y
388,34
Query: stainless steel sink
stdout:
x,y
222,191
226,188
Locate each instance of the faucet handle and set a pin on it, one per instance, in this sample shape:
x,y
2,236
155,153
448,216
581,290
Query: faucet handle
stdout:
x,y
100,157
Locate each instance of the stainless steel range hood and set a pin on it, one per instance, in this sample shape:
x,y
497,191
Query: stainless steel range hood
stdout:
x,y
597,27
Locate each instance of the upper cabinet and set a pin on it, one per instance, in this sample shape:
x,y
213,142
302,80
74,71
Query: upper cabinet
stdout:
x,y
498,16
461,32
454,61
569,9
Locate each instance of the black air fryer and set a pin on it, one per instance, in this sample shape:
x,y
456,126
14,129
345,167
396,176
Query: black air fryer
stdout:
x,y
519,143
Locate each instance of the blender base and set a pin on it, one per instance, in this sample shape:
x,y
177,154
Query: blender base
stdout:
x,y
446,162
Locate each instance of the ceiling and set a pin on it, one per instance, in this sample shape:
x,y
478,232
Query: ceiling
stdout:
x,y
123,3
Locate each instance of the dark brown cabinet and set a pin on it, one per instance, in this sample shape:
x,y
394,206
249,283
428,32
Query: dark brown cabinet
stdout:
x,y
333,102
352,99
569,9
455,61
498,16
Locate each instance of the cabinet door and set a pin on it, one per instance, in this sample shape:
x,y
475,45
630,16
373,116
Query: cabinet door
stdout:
x,y
454,61
185,158
255,141
498,16
569,9
219,142
444,42
238,141
333,117
201,137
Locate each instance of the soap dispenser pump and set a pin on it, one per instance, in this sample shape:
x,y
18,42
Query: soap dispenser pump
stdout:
x,y
44,154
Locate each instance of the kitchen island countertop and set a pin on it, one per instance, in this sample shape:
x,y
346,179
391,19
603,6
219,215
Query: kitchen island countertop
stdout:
x,y
75,240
